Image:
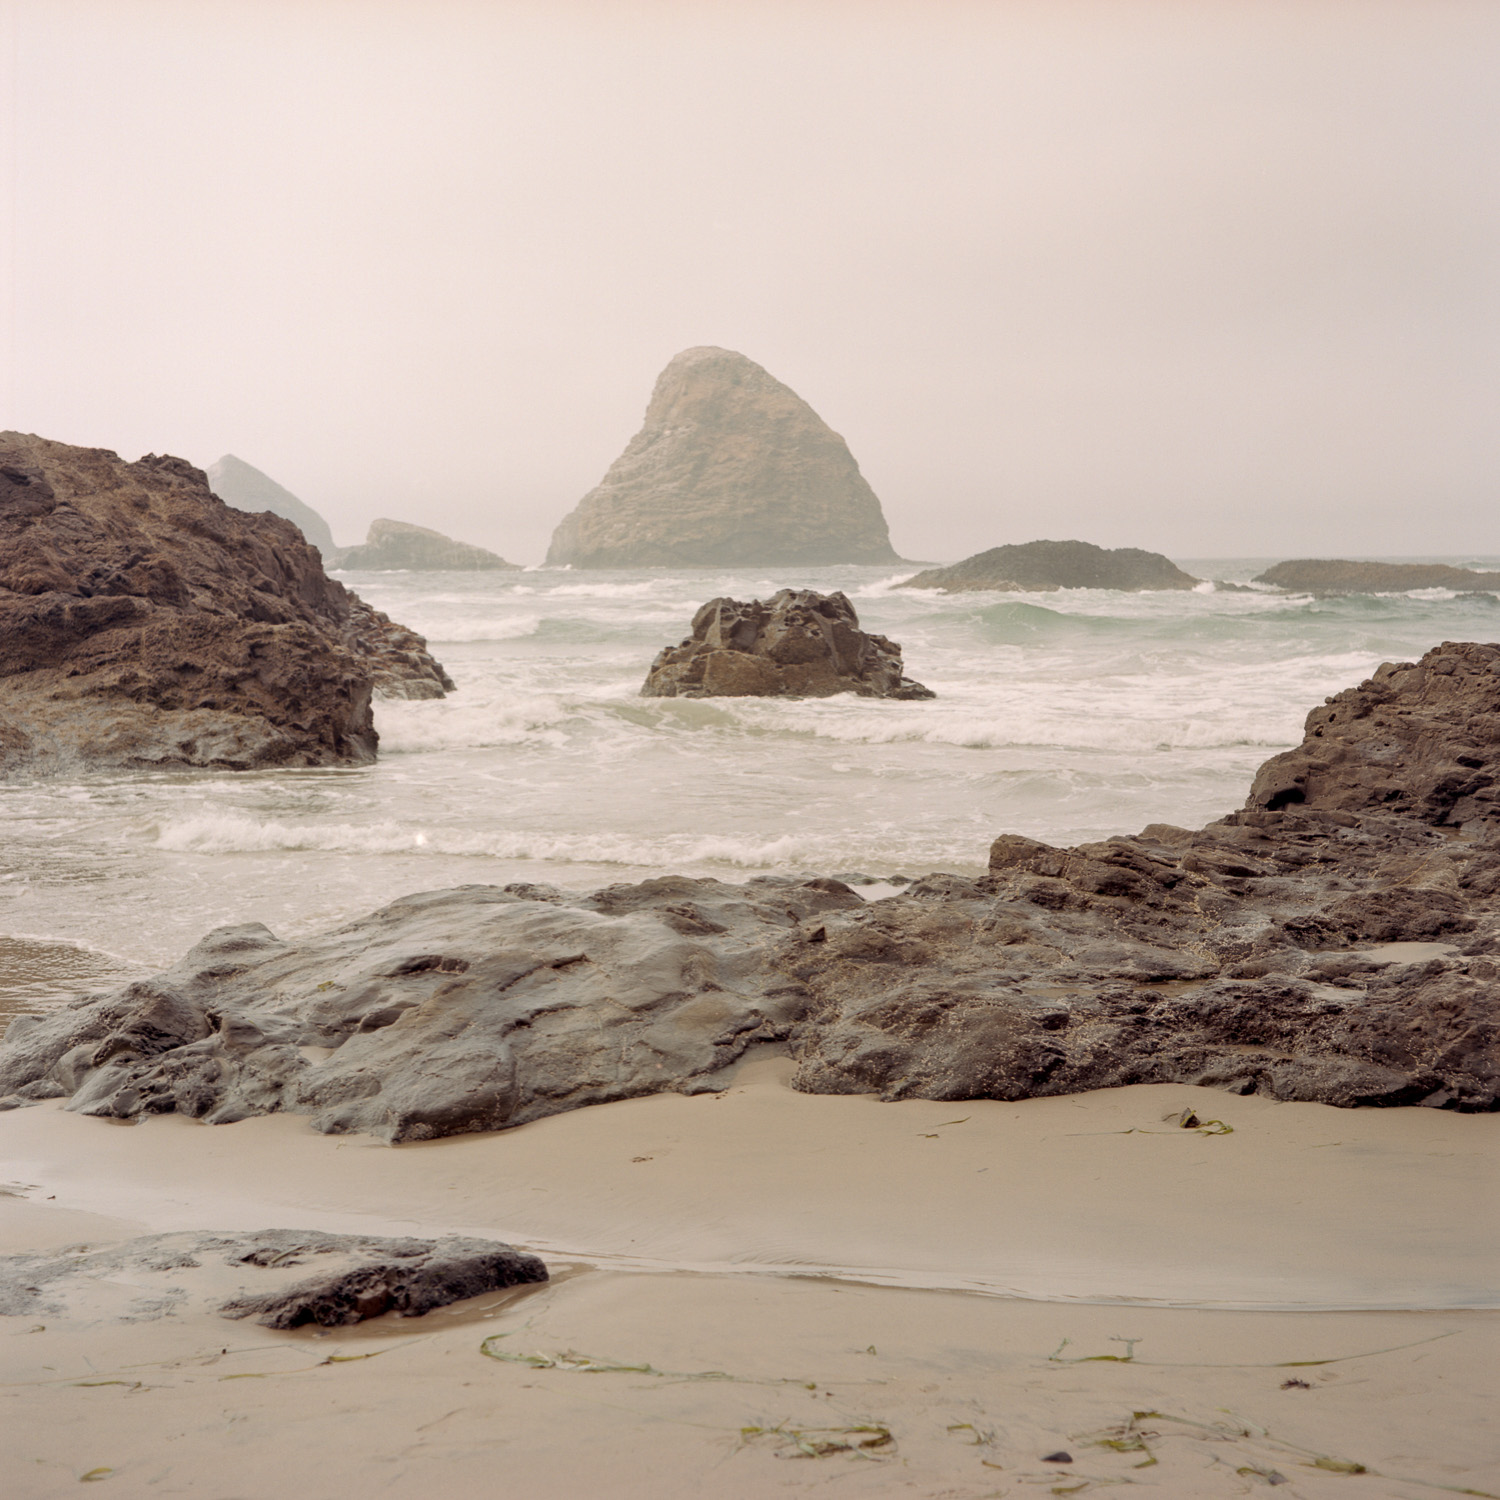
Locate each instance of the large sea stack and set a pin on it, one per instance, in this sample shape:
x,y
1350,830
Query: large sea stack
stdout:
x,y
1246,956
731,469
144,622
246,488
400,545
1042,567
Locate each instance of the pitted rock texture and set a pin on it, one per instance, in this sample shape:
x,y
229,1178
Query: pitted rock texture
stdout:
x,y
1042,567
246,488
399,544
1248,955
1336,576
283,1278
798,644
143,622
730,468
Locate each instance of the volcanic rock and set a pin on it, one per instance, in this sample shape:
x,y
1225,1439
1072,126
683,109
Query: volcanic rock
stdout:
x,y
283,1278
1041,567
246,488
799,644
1335,576
731,468
1249,955
397,544
144,622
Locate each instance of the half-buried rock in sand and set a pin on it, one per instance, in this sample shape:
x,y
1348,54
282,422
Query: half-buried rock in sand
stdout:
x,y
1250,955
144,622
799,644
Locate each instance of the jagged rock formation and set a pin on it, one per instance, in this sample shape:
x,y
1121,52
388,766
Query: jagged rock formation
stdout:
x,y
397,544
730,468
1238,956
1335,576
246,488
283,1278
144,622
798,645
1041,567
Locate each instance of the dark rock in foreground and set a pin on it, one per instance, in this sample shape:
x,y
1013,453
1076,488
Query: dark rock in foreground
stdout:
x,y
400,545
1041,567
730,468
1238,956
799,644
246,488
283,1278
1335,576
143,623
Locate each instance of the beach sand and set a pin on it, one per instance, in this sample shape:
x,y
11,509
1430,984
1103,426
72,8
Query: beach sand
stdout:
x,y
828,1292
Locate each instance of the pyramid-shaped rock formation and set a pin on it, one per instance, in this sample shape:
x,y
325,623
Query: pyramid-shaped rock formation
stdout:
x,y
731,468
243,486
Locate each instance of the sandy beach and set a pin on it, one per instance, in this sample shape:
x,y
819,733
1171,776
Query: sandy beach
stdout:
x,y
803,1291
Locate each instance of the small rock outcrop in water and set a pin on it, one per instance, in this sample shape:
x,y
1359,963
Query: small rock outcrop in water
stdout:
x,y
283,1278
1335,576
1040,567
144,622
799,644
246,488
1244,956
730,468
397,544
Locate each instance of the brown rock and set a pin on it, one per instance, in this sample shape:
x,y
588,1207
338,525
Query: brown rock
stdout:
x,y
1337,576
731,467
799,644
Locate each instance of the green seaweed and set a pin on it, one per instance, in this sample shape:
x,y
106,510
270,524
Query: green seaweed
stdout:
x,y
859,1440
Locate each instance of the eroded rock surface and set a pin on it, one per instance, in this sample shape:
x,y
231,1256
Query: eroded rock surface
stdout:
x,y
143,622
283,1278
1337,576
797,644
1041,567
399,544
1248,955
731,467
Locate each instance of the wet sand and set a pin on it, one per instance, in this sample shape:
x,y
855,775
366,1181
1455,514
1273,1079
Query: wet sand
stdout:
x,y
908,1269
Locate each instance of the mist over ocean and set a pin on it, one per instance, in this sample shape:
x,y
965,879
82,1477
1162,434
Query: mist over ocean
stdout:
x,y
1066,716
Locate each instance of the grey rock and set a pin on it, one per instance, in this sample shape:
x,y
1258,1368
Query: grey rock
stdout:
x,y
246,488
798,644
1041,567
1338,576
400,545
731,468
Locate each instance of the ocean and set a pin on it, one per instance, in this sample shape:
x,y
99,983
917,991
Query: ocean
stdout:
x,y
1065,716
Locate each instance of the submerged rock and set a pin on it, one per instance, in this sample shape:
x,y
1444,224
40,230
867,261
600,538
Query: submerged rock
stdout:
x,y
283,1278
398,544
144,622
799,644
1336,576
731,468
1041,567
246,488
1247,955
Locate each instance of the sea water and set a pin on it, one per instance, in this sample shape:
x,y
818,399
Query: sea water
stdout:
x,y
1066,716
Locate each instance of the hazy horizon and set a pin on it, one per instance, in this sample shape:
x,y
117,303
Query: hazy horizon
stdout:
x,y
1210,279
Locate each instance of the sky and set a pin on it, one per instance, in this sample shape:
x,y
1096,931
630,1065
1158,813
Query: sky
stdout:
x,y
1213,277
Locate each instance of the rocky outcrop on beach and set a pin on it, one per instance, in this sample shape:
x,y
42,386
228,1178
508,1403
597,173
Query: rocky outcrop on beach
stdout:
x,y
402,546
246,488
144,622
731,468
1042,567
1251,955
797,644
283,1278
1336,576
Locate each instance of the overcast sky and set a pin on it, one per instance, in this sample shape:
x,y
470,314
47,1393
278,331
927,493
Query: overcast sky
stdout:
x,y
1208,278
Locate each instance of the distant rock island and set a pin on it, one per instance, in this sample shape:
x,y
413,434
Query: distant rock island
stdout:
x,y
731,468
144,623
246,488
1040,567
1337,576
398,544
799,644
